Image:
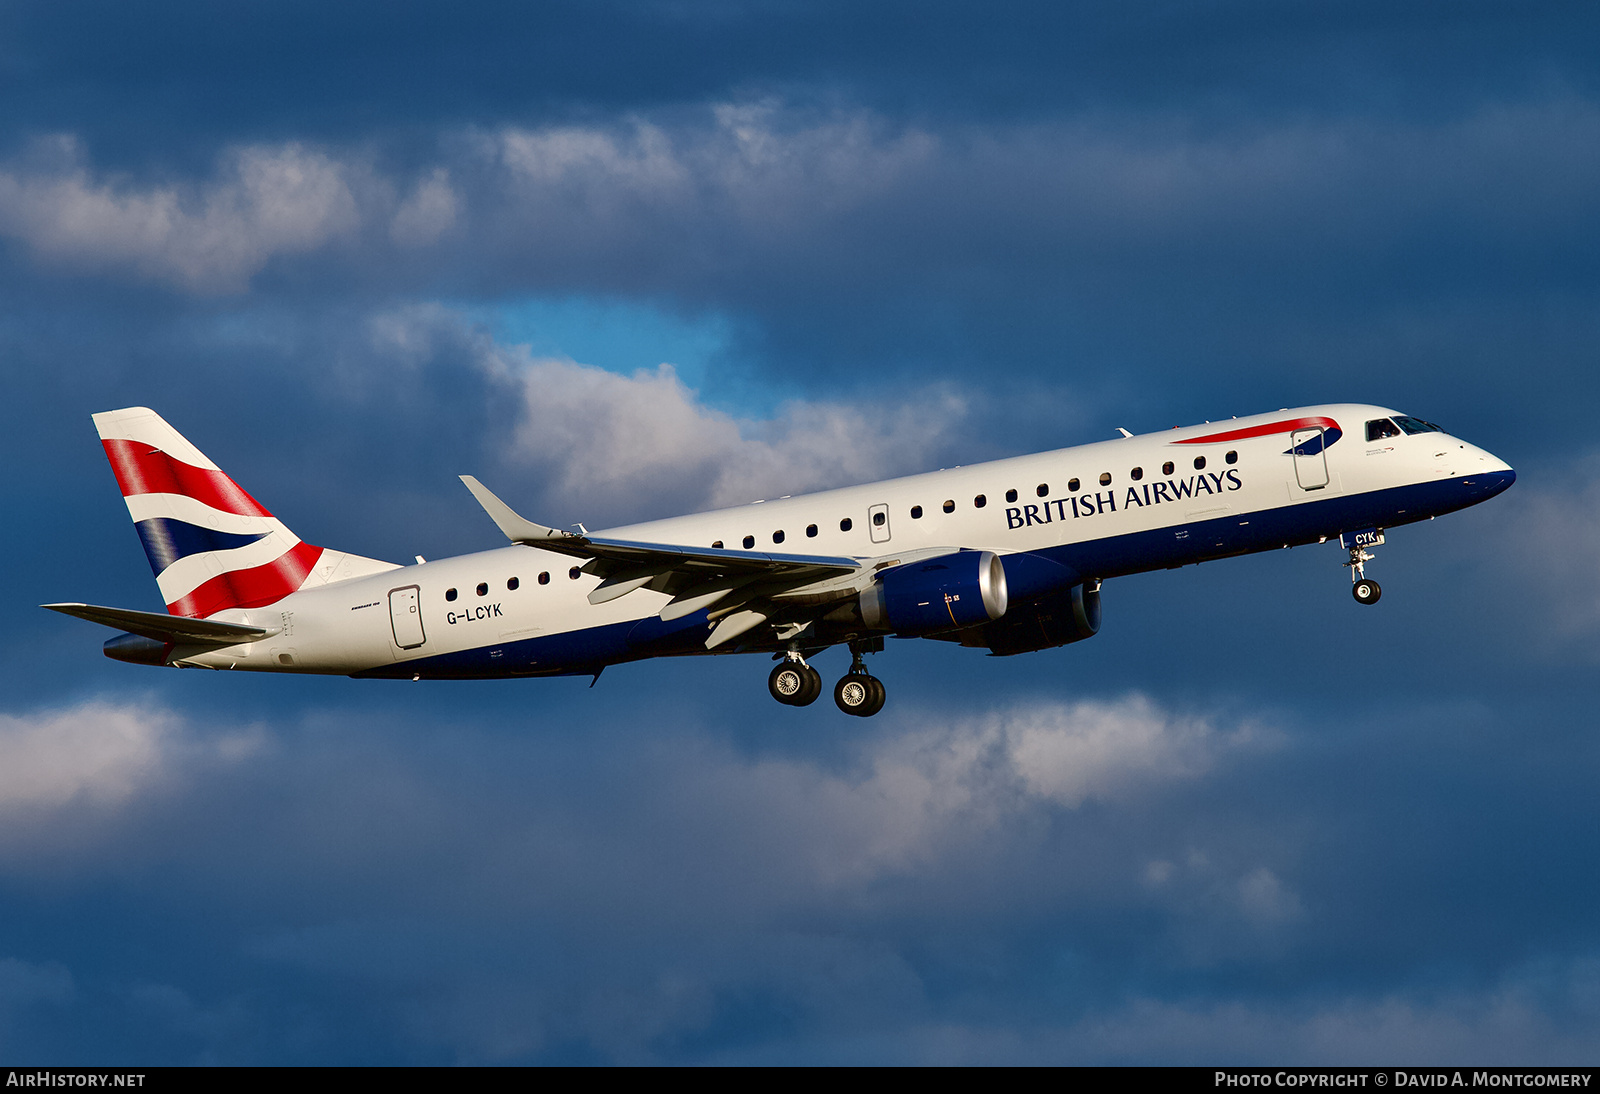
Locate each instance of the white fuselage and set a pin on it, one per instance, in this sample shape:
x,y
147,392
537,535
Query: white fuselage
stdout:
x,y
1110,508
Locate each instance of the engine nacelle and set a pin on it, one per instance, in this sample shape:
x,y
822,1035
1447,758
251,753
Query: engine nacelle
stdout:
x,y
946,593
136,649
1067,616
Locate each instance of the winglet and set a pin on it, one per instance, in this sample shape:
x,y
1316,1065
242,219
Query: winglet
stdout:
x,y
517,529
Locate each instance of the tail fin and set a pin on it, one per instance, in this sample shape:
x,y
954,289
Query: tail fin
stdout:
x,y
211,545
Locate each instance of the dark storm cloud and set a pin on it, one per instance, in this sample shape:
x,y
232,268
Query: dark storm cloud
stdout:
x,y
463,890
155,82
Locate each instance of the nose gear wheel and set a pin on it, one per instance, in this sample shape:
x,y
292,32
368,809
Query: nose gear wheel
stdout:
x,y
1362,587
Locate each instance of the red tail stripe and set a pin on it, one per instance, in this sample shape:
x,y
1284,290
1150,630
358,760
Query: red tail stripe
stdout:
x,y
143,470
250,588
1262,430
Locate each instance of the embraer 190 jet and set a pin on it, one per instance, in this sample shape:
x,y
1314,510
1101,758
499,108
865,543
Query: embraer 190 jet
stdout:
x,y
1007,556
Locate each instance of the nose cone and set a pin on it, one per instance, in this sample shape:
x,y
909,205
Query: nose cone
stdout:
x,y
1496,481
1485,473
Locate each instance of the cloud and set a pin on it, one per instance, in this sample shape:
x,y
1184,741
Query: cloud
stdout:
x,y
1557,550
206,237
939,787
1537,1013
68,770
428,213
602,445
770,205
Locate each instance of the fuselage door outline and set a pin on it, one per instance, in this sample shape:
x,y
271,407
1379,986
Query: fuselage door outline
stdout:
x,y
405,616
878,523
1310,458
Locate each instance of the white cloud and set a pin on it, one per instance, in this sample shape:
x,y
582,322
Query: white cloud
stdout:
x,y
756,190
928,796
757,162
428,213
634,439
98,756
604,446
1098,749
208,237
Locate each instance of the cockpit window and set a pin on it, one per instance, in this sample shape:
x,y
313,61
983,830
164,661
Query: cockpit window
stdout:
x,y
1415,425
1382,427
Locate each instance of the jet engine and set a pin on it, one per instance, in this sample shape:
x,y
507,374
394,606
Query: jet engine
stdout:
x,y
946,593
1070,615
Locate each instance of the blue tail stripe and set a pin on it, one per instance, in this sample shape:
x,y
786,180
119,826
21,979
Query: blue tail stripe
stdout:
x,y
167,540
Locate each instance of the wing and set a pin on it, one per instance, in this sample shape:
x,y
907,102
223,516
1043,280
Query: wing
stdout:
x,y
740,590
176,629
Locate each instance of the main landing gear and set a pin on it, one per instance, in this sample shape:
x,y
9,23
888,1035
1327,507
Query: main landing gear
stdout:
x,y
795,683
1363,588
858,692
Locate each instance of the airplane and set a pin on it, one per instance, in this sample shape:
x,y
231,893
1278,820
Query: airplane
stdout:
x,y
1007,556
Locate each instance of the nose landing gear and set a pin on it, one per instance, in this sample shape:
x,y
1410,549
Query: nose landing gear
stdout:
x,y
1363,588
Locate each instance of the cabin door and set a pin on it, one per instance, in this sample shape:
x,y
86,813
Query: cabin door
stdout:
x,y
1310,459
405,615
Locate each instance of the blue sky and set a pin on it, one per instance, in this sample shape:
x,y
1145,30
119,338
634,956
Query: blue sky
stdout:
x,y
624,261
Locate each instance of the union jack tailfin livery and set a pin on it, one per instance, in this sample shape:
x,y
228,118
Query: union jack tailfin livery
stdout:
x,y
210,544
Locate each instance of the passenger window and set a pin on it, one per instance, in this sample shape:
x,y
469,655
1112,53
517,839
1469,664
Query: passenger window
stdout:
x,y
846,524
980,501
749,542
811,531
513,584
716,544
1166,468
483,588
879,518
949,507
1136,474
1199,463
1231,457
916,514
544,577
1011,495
449,594
573,573
1381,428
1072,486
1105,478
777,537
1043,490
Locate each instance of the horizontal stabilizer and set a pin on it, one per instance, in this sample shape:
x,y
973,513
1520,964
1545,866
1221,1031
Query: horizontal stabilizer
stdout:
x,y
176,629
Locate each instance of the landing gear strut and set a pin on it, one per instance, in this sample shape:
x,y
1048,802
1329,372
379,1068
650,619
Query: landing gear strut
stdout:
x,y
1363,588
858,692
795,683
